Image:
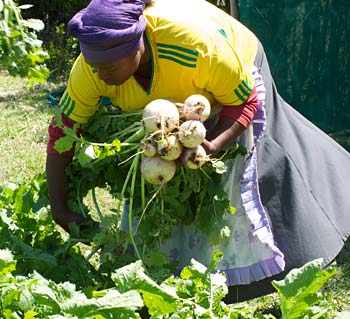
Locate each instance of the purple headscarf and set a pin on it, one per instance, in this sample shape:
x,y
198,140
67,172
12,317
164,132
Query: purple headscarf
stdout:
x,y
108,30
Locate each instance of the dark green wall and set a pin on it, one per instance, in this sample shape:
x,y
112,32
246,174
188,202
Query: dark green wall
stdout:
x,y
308,46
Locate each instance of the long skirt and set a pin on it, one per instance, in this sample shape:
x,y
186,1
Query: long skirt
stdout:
x,y
304,186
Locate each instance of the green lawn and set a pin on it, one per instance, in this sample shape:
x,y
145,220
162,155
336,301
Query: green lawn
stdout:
x,y
24,118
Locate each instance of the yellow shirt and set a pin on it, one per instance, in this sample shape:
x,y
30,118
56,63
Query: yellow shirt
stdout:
x,y
195,48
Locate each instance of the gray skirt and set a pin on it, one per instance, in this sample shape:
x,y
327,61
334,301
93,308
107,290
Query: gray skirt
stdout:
x,y
304,186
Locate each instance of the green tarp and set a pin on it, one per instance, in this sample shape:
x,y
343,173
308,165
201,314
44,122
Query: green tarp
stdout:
x,y
308,46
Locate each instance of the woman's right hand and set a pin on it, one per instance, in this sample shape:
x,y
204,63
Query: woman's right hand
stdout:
x,y
64,217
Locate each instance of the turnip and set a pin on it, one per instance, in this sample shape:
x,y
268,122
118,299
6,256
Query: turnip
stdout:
x,y
169,148
160,115
157,170
194,158
191,133
196,107
150,148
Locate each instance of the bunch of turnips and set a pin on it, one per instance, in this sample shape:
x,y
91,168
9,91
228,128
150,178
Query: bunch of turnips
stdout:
x,y
175,132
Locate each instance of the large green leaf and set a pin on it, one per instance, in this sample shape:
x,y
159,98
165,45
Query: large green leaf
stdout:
x,y
159,300
298,290
112,303
7,262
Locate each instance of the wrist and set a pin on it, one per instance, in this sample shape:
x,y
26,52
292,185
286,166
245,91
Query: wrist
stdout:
x,y
211,147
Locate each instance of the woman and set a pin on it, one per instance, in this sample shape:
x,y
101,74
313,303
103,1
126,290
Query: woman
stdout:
x,y
289,190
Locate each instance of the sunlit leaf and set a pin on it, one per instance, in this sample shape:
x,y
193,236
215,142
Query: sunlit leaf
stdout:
x,y
298,290
35,24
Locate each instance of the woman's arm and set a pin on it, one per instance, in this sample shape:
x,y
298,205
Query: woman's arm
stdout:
x,y
57,185
232,123
56,164
225,132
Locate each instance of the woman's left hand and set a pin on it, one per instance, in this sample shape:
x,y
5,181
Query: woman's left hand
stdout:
x,y
225,132
210,147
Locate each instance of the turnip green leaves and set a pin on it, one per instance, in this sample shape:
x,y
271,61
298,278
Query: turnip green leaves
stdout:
x,y
298,290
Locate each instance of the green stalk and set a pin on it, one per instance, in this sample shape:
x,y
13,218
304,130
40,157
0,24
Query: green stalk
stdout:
x,y
134,138
131,200
183,174
143,196
73,136
125,185
93,252
137,136
131,129
96,204
204,173
148,203
124,115
79,200
129,150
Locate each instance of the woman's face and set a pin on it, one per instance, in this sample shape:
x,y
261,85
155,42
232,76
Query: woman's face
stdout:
x,y
117,72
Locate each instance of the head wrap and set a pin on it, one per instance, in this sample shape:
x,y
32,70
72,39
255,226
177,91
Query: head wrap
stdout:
x,y
108,30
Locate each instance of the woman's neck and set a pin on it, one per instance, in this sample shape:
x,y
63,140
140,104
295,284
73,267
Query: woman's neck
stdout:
x,y
145,67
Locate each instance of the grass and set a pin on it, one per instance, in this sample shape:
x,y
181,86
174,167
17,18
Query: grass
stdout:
x,y
24,117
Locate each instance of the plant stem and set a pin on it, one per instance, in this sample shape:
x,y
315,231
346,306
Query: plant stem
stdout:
x,y
131,200
124,115
125,185
147,205
143,196
204,173
93,252
137,136
119,135
79,199
100,215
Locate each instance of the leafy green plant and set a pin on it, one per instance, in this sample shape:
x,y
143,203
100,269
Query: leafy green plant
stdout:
x,y
36,260
27,229
21,51
299,291
196,293
62,50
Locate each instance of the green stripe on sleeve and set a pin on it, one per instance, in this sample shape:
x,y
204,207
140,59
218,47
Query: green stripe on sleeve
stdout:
x,y
222,31
64,99
171,58
239,95
185,57
175,47
66,104
244,90
247,85
70,108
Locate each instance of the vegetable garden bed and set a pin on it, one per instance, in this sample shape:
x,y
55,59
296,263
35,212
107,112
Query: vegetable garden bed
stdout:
x,y
36,258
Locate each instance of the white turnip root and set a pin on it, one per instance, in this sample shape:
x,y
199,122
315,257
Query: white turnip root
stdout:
x,y
191,133
150,148
157,170
160,115
169,148
196,107
194,158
